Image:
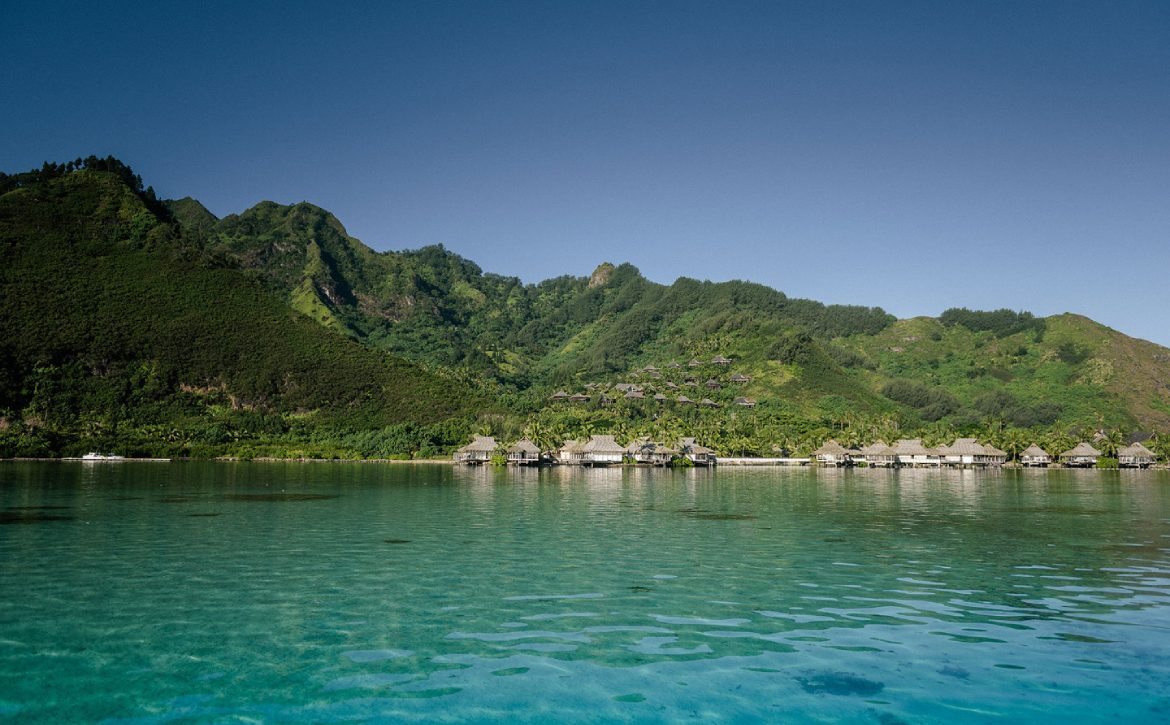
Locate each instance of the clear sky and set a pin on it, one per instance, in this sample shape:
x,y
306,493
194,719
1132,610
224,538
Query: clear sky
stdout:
x,y
912,155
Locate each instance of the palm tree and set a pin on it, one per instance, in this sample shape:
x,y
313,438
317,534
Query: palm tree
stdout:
x,y
1110,442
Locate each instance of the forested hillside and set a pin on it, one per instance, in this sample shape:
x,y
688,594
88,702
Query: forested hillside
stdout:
x,y
119,332
133,321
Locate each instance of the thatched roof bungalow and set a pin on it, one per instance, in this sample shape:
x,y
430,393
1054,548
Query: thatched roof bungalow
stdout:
x,y
740,378
559,395
720,360
970,452
695,453
1135,455
745,402
578,398
833,454
1082,455
879,455
1035,457
911,452
524,453
602,450
477,451
571,451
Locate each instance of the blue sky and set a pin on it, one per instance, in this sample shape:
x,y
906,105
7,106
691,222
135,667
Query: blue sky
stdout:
x,y
912,155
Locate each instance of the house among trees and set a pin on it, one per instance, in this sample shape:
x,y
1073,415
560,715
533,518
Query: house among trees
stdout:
x,y
720,360
879,455
740,378
524,453
559,395
1082,456
712,384
660,398
684,400
832,454
1035,457
707,402
695,453
695,363
1135,455
578,398
602,450
477,451
635,395
745,402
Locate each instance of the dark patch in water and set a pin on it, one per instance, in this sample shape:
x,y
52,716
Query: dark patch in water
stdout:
x,y
724,517
631,697
277,497
835,540
31,517
39,508
176,499
212,513
889,718
641,589
839,683
126,498
956,672
690,510
397,541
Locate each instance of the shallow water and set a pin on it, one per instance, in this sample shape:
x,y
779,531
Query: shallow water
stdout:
x,y
321,592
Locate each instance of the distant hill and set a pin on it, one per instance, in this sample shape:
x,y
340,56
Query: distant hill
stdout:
x,y
119,329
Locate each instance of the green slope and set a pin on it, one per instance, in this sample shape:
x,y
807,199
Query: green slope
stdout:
x,y
114,323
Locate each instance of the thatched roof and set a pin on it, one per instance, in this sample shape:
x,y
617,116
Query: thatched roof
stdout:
x,y
740,378
1137,450
579,398
876,448
481,444
746,402
572,446
912,447
635,395
709,403
660,397
685,400
990,450
831,448
559,395
695,362
1081,449
1034,451
964,447
720,360
525,446
603,444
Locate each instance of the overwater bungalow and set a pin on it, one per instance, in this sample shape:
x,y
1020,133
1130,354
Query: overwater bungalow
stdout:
x,y
477,451
1135,455
1035,457
602,450
879,455
1081,456
911,452
832,454
966,452
740,378
745,402
524,453
571,452
695,453
640,450
720,360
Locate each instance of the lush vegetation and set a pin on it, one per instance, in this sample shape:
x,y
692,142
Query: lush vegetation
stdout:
x,y
118,333
154,328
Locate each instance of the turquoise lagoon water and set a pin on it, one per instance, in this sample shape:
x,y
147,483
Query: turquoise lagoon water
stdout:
x,y
327,592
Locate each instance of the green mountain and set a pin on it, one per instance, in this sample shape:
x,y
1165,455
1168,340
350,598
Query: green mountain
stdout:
x,y
965,369
279,333
121,331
